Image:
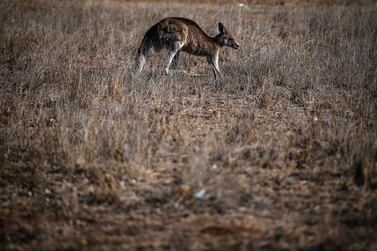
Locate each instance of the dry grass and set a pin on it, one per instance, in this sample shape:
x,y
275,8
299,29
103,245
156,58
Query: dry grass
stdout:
x,y
264,2
284,147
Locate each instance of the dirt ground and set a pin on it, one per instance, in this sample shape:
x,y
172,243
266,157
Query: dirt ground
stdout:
x,y
281,154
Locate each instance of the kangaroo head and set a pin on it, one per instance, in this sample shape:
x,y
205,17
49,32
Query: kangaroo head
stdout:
x,y
225,38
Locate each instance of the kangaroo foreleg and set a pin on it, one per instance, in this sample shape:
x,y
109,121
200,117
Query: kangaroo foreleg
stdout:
x,y
215,68
216,65
213,71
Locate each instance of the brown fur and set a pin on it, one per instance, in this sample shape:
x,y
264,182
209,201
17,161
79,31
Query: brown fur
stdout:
x,y
177,34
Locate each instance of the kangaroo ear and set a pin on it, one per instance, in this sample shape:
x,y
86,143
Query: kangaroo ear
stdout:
x,y
222,28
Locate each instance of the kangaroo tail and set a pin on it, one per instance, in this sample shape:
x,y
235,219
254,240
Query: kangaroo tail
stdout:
x,y
142,52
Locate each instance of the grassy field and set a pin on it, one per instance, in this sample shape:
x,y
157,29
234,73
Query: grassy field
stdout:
x,y
281,154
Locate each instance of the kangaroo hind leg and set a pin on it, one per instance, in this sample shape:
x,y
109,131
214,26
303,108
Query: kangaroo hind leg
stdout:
x,y
176,61
172,53
177,64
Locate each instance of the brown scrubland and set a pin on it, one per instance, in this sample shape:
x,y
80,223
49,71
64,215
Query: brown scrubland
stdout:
x,y
280,154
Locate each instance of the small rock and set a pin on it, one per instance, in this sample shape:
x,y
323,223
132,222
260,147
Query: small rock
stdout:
x,y
200,194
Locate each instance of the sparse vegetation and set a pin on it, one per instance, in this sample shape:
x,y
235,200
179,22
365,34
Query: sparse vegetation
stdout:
x,y
279,155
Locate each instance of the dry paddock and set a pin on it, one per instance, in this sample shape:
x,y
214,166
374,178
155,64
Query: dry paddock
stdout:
x,y
281,154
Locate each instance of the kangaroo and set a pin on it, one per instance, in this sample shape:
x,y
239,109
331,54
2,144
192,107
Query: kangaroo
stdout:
x,y
177,34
